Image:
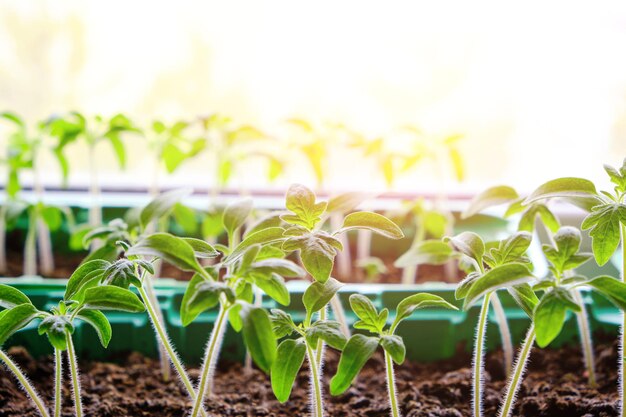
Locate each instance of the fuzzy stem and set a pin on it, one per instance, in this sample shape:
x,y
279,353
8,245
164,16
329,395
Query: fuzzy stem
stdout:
x,y
622,362
25,383
409,274
30,247
167,344
317,406
58,381
582,319
163,356
478,356
340,315
210,358
45,248
3,239
319,349
391,387
505,333
518,373
344,267
71,357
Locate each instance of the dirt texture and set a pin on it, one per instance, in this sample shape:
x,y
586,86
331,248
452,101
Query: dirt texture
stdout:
x,y
555,386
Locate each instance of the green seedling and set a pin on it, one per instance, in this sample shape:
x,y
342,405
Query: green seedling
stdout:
x,y
308,335
372,267
559,294
360,348
531,215
85,298
606,223
502,265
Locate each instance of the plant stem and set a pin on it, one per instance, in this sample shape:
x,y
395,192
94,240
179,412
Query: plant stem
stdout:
x,y
344,267
163,356
58,380
319,349
363,246
505,333
479,345
622,363
43,234
585,338
71,357
340,315
409,274
210,358
3,238
167,344
95,213
30,247
516,378
391,386
25,383
317,406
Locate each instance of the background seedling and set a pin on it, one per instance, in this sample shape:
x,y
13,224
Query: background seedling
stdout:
x,y
360,348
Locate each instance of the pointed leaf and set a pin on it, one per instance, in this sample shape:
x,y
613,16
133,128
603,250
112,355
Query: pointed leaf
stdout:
x,y
11,297
414,302
394,346
99,322
171,249
235,215
16,318
500,277
85,276
284,371
109,297
493,196
259,336
355,354
162,205
318,294
371,221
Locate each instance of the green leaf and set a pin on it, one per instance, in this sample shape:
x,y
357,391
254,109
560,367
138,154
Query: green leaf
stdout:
x,y
469,244
235,215
604,224
366,312
570,187
301,201
394,346
259,336
55,327
262,237
282,323
317,251
284,371
201,249
212,225
493,196
200,296
371,221
613,289
549,318
346,202
414,302
329,331
85,276
431,252
11,297
118,148
16,318
186,218
282,267
355,354
318,294
463,287
99,322
162,205
274,286
171,249
525,297
500,277
109,297
52,216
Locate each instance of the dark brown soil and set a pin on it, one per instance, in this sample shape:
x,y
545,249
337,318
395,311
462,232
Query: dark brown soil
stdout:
x,y
555,386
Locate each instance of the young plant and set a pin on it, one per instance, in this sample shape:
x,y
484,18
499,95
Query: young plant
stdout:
x,y
606,223
306,343
360,347
501,266
560,294
530,215
372,268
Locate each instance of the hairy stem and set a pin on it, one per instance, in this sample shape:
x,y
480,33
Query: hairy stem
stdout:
x,y
586,341
518,373
391,386
344,267
71,358
25,383
505,333
479,346
622,363
317,407
30,247
163,356
58,381
319,349
340,315
210,358
167,344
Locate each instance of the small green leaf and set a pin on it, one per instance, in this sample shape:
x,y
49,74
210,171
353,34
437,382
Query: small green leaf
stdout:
x,y
346,202
604,224
11,297
85,276
549,317
282,323
469,244
186,218
431,252
329,331
99,322
394,346
200,296
282,267
301,201
235,215
162,205
414,302
16,318
613,289
109,297
371,221
284,371
366,312
262,237
55,327
259,336
201,249
318,294
355,354
500,277
317,251
525,297
171,249
571,188
274,286
493,196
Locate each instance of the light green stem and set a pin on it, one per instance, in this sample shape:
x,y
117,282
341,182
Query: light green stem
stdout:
x,y
71,357
210,359
622,366
58,380
163,356
479,346
167,344
25,383
391,386
30,247
409,274
505,333
585,338
516,378
314,367
319,349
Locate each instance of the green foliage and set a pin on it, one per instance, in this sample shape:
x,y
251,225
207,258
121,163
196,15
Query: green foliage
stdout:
x,y
284,372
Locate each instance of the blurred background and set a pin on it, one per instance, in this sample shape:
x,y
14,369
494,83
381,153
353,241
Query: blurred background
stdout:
x,y
530,92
